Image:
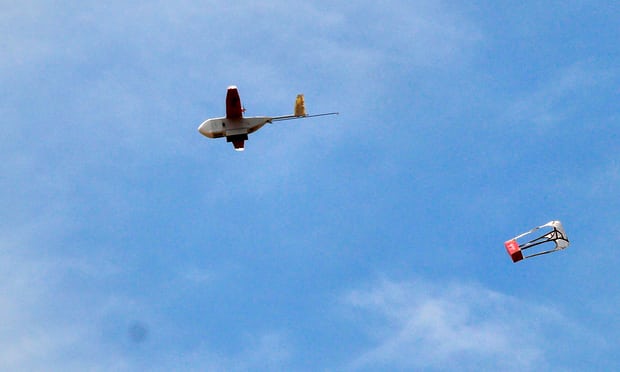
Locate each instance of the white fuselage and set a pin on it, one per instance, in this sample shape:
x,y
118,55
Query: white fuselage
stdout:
x,y
224,127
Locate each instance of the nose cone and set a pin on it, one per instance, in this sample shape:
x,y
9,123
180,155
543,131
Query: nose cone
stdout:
x,y
206,129
202,128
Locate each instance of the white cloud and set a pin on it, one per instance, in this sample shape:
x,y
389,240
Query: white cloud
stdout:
x,y
270,351
64,313
21,44
35,326
546,104
143,76
605,181
415,33
417,325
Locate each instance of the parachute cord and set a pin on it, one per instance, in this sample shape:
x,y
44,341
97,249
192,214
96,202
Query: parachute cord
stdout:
x,y
549,237
541,253
533,243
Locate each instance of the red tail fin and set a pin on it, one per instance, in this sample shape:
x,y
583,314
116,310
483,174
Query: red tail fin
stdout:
x,y
233,104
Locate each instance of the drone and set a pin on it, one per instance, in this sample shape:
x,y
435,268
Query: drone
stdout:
x,y
236,127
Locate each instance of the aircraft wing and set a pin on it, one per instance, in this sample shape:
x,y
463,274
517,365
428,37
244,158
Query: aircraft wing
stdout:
x,y
290,117
233,104
299,112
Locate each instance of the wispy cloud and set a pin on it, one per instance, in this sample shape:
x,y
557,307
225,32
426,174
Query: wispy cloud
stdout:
x,y
421,33
547,104
128,72
416,325
66,314
270,351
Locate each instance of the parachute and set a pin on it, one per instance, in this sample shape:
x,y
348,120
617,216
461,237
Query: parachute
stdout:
x,y
554,232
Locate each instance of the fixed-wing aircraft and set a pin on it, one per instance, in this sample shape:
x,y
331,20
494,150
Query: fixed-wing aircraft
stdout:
x,y
235,127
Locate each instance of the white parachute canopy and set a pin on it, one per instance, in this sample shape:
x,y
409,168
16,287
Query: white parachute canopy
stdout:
x,y
553,232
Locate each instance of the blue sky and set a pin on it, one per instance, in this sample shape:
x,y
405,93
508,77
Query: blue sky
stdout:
x,y
368,241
